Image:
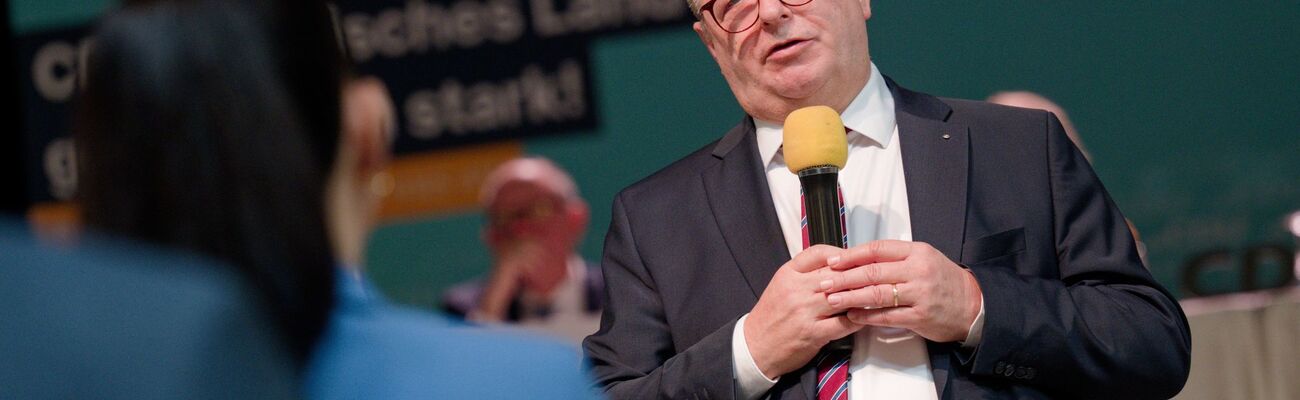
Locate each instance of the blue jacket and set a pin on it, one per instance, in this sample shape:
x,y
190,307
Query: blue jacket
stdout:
x,y
112,319
374,349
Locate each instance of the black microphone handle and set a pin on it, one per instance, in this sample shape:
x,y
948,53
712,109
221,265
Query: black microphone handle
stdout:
x,y
821,204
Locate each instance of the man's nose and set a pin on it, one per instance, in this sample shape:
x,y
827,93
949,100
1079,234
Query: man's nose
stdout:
x,y
771,13
518,227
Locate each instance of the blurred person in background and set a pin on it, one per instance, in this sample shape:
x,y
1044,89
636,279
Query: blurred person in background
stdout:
x,y
1027,99
535,221
376,349
169,142
198,131
358,179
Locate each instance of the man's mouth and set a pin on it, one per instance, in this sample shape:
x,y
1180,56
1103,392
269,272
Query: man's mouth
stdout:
x,y
785,49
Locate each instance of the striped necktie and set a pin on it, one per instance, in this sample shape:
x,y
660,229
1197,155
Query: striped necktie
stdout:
x,y
832,365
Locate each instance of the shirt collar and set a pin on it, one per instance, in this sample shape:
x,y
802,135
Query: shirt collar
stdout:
x,y
870,114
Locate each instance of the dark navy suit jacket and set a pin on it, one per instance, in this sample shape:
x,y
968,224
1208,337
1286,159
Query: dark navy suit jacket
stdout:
x,y
1070,309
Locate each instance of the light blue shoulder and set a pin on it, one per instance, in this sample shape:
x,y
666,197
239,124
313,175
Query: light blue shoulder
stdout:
x,y
398,352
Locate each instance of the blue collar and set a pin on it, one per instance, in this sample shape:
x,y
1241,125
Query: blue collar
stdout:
x,y
352,288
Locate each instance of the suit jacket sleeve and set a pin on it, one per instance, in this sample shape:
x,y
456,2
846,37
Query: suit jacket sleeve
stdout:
x,y
633,355
1104,327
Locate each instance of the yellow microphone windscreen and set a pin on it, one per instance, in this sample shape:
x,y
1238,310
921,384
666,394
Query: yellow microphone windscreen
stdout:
x,y
814,137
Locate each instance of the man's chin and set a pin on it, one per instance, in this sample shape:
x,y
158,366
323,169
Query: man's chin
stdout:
x,y
795,87
794,81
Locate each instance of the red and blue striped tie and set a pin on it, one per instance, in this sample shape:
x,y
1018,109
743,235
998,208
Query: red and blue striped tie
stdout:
x,y
832,365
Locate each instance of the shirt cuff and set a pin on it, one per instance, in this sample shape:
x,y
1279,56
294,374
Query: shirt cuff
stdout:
x,y
750,381
976,332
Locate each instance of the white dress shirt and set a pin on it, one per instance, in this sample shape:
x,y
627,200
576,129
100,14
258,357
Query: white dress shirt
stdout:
x,y
887,363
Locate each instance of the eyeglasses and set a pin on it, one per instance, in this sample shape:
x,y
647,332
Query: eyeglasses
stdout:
x,y
736,16
538,212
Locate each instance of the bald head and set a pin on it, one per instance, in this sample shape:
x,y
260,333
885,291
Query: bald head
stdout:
x,y
537,172
1024,99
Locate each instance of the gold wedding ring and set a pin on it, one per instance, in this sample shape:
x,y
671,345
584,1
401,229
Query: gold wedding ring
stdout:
x,y
895,285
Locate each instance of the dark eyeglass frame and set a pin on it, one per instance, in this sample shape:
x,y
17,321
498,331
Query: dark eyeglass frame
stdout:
x,y
708,6
540,210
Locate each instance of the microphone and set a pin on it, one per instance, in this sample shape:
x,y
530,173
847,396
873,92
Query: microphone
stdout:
x,y
816,148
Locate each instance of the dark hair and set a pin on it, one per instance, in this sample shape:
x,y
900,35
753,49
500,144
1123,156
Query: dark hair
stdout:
x,y
13,168
190,135
308,57
311,63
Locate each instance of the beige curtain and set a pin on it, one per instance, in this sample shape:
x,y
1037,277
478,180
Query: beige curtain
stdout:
x,y
1245,346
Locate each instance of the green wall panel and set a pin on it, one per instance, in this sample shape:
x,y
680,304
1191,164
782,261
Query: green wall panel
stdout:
x,y
34,15
1187,108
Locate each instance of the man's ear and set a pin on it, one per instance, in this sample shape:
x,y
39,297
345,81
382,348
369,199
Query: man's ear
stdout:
x,y
579,214
705,36
376,152
866,9
369,125
576,216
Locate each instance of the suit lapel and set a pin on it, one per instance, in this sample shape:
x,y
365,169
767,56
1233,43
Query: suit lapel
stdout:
x,y
935,167
808,379
935,163
742,207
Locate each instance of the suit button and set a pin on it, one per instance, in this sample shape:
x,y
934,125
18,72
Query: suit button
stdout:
x,y
1020,373
1011,370
1001,366
1030,373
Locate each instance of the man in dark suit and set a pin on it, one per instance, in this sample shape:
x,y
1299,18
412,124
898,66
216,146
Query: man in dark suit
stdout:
x,y
113,320
985,260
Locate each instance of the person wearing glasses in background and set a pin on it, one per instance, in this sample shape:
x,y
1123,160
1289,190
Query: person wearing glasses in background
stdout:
x,y
269,165
986,259
535,221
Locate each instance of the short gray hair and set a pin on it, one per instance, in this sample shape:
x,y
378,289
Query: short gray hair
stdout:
x,y
694,7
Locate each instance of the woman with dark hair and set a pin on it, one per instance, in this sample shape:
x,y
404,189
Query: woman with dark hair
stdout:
x,y
188,137
210,127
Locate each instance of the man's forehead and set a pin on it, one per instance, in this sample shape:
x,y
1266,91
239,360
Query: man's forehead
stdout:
x,y
514,192
534,172
525,188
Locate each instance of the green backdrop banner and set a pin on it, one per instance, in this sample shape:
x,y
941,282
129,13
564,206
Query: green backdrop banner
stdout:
x,y
1187,109
1186,106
